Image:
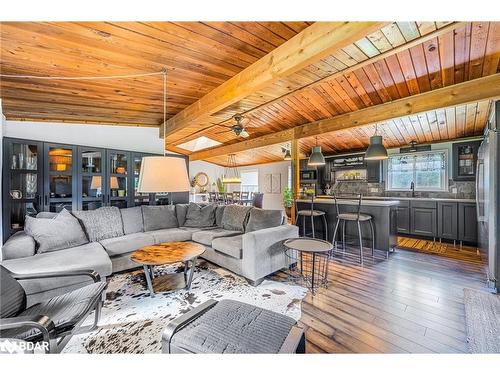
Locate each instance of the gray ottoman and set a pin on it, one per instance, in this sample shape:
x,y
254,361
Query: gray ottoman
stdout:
x,y
232,327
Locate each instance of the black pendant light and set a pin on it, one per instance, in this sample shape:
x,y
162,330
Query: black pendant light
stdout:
x,y
316,158
376,150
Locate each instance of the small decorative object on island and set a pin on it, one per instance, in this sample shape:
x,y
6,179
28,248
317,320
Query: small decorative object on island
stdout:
x,y
288,201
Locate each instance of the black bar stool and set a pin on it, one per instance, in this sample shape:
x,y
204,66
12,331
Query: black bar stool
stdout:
x,y
357,217
312,213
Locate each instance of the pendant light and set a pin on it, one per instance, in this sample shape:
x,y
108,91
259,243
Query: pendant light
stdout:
x,y
231,174
316,158
286,151
167,173
376,150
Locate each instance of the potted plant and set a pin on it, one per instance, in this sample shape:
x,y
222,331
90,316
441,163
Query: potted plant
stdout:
x,y
220,186
288,201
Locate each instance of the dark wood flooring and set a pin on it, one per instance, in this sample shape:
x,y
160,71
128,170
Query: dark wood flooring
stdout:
x,y
409,303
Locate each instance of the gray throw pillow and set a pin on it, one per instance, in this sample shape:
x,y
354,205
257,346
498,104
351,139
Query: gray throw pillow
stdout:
x,y
132,220
200,216
159,217
105,222
219,211
261,219
181,210
235,216
61,232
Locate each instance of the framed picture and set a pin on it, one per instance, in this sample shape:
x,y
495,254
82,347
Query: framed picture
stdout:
x,y
268,183
276,183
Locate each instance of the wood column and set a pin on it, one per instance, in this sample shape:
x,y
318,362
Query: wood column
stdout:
x,y
295,173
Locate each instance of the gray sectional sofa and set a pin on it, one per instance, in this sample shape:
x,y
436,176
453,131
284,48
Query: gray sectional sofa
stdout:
x,y
244,240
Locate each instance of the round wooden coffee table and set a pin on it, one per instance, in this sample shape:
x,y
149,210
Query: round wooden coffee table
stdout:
x,y
168,253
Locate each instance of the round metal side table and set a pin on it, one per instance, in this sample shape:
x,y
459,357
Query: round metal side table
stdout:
x,y
309,261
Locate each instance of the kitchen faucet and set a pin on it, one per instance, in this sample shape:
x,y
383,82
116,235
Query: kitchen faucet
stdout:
x,y
412,187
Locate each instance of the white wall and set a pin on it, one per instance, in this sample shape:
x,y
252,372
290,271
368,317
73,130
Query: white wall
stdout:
x,y
212,170
133,138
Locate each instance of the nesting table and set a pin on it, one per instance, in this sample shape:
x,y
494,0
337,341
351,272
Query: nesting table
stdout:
x,y
168,253
309,260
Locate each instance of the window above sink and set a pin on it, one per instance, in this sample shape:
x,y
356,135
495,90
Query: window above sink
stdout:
x,y
427,170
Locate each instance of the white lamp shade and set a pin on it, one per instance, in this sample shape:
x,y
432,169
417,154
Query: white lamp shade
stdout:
x,y
163,174
96,182
114,183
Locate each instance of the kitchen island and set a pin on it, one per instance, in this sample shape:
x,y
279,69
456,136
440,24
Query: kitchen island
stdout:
x,y
384,220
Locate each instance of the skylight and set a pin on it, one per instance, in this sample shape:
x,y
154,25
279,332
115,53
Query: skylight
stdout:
x,y
199,143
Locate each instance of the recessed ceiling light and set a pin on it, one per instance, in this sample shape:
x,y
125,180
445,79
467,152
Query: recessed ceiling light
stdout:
x,y
199,143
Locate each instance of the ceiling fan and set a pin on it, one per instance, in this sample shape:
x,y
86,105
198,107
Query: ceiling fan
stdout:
x,y
239,129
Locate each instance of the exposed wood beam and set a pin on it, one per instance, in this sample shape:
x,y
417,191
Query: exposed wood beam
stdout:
x,y
312,44
435,34
450,96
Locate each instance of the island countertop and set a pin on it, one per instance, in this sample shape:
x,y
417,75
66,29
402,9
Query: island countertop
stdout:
x,y
353,202
461,200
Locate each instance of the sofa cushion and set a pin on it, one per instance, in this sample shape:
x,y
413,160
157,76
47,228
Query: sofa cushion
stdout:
x,y
19,245
12,294
132,220
200,216
90,256
46,215
170,235
126,244
159,217
181,212
219,212
194,230
231,246
61,232
234,217
206,237
105,222
261,219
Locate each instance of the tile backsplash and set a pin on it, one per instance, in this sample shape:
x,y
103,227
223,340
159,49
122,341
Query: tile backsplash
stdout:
x,y
464,190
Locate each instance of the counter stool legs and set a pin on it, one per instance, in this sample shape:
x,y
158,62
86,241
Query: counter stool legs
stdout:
x,y
360,243
360,237
373,238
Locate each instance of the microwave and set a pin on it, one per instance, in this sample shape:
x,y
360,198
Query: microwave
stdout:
x,y
308,174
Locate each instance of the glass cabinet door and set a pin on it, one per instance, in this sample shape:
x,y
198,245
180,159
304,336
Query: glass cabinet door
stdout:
x,y
22,186
117,178
60,186
92,181
140,199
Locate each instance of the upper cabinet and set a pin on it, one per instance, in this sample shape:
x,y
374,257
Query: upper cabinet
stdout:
x,y
464,160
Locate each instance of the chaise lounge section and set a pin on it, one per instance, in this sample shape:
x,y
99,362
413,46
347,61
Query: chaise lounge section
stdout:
x,y
244,240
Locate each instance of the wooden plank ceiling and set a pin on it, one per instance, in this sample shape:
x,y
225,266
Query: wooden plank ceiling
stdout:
x,y
200,56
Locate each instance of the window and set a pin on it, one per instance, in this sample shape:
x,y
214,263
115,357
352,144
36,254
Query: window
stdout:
x,y
250,181
428,170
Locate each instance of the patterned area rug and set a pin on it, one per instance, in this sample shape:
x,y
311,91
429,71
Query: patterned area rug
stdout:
x,y
132,321
482,318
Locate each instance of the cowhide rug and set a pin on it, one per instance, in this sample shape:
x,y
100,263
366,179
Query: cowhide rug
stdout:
x,y
132,321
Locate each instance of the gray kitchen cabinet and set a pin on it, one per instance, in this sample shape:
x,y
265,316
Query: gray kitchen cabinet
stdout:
x,y
467,222
447,220
423,218
374,171
403,218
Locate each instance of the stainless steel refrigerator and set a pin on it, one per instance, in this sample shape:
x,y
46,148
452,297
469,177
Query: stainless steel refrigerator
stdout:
x,y
488,199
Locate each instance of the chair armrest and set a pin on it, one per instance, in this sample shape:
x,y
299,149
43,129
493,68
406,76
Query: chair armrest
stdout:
x,y
45,275
183,320
40,322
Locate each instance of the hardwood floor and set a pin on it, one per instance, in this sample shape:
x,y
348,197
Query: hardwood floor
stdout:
x,y
409,303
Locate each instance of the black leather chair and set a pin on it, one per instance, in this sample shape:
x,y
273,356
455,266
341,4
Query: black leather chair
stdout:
x,y
53,321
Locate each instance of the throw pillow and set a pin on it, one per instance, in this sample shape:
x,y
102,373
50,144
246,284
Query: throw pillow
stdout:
x,y
261,219
105,222
200,216
181,212
61,232
219,211
235,216
132,220
159,217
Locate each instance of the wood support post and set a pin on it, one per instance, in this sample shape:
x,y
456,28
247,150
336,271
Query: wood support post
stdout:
x,y
295,174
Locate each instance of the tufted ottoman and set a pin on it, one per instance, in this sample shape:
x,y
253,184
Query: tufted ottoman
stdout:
x,y
232,327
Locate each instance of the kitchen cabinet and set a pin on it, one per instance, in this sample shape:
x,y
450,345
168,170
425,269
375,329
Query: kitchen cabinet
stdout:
x,y
423,217
464,160
467,222
403,218
447,220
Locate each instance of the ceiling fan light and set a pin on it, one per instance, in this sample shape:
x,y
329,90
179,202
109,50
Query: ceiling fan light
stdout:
x,y
376,150
316,157
244,133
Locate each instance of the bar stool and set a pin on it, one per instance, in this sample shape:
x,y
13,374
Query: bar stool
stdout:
x,y
357,217
312,213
